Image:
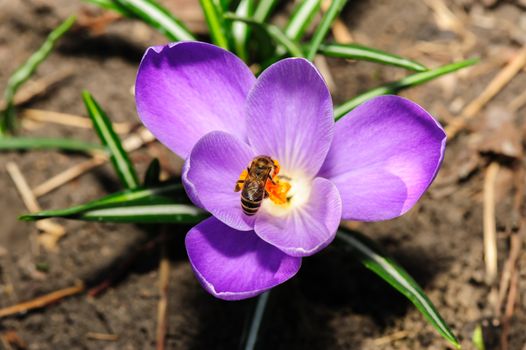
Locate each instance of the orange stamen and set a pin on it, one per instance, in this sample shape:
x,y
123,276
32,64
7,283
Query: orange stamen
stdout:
x,y
276,187
277,191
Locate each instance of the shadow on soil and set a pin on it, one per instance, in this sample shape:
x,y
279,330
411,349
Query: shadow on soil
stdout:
x,y
300,313
102,47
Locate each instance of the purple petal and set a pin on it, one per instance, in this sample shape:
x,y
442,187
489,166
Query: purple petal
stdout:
x,y
185,90
290,116
233,264
385,154
307,229
189,186
213,169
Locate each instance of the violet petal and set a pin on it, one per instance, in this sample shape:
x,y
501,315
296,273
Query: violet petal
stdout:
x,y
307,229
187,89
233,264
213,169
385,154
290,116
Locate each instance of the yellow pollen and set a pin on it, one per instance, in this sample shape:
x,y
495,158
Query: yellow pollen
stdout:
x,y
276,187
277,191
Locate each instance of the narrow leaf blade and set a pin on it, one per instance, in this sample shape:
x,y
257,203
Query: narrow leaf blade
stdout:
x,y
274,32
225,4
264,10
405,83
169,193
119,158
113,6
241,30
386,268
323,28
249,342
37,143
26,70
163,204
359,52
301,18
145,214
216,25
158,17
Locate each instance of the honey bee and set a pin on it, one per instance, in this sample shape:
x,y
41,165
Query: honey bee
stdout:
x,y
260,170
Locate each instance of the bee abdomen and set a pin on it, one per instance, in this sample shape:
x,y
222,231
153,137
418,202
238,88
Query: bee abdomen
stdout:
x,y
250,207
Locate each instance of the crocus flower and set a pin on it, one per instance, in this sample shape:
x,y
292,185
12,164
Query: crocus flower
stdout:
x,y
204,104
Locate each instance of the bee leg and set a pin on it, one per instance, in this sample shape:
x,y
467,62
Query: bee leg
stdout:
x,y
266,194
284,177
239,185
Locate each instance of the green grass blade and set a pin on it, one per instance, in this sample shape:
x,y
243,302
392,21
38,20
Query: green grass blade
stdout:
x,y
301,18
395,87
36,143
264,10
153,174
359,52
478,338
139,214
165,204
118,156
147,214
255,322
386,268
323,28
158,17
274,32
241,30
26,70
111,5
216,24
166,194
225,4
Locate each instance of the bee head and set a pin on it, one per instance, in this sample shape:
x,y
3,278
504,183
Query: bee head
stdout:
x,y
263,164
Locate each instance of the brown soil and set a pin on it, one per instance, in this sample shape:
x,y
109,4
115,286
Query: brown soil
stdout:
x,y
333,303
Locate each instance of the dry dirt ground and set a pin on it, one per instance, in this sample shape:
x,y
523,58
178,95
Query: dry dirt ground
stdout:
x,y
333,303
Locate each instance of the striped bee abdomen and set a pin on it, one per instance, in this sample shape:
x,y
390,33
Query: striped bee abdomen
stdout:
x,y
250,207
253,182
252,196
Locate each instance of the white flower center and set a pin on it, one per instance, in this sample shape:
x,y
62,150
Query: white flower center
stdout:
x,y
297,196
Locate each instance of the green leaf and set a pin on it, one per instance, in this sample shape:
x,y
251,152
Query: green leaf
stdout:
x,y
152,175
386,268
273,31
225,4
301,18
264,10
395,87
478,338
147,214
34,143
113,6
164,204
26,70
170,193
299,21
216,25
323,28
109,138
241,30
249,342
158,17
359,52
